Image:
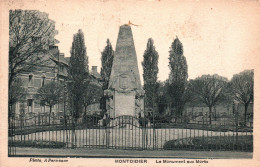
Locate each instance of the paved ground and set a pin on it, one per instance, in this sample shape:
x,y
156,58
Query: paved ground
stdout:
x,y
108,153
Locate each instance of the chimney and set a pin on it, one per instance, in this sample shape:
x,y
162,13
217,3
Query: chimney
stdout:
x,y
94,70
52,47
61,54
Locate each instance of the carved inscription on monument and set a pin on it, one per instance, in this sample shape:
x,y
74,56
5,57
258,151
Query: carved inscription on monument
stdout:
x,y
123,81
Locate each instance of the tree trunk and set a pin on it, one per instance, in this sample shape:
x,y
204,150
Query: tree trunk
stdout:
x,y
85,114
179,114
9,119
50,115
228,111
175,113
210,114
9,115
192,112
215,110
11,79
73,134
246,107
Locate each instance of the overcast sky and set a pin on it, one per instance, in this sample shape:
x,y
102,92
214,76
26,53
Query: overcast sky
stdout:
x,y
218,37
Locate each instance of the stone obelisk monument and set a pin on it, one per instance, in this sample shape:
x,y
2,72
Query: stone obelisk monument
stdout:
x,y
124,93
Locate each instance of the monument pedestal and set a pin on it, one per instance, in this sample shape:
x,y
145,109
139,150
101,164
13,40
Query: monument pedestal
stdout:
x,y
124,104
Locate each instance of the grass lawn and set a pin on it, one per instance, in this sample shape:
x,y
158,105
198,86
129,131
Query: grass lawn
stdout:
x,y
241,143
37,144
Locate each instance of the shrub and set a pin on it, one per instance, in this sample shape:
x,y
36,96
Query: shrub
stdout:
x,y
37,144
244,143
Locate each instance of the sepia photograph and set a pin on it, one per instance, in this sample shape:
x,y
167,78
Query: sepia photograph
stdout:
x,y
145,82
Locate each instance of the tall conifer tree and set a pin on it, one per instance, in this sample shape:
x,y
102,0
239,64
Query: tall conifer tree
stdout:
x,y
107,57
78,74
107,62
150,71
178,77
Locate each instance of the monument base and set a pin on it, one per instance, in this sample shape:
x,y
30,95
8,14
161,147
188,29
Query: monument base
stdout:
x,y
123,121
124,104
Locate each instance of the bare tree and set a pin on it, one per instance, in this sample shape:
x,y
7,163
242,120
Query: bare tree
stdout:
x,y
50,94
208,89
242,88
30,35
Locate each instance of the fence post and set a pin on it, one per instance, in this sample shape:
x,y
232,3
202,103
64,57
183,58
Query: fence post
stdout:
x,y
203,124
106,130
21,123
153,128
36,128
236,113
143,133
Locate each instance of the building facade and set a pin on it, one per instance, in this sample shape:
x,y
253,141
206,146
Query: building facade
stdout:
x,y
36,79
54,69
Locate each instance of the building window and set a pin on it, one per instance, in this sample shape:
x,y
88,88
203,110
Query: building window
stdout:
x,y
42,103
43,80
36,39
30,80
61,81
17,107
29,102
42,106
30,105
61,68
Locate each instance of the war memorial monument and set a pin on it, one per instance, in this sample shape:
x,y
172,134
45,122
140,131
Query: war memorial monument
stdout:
x,y
124,93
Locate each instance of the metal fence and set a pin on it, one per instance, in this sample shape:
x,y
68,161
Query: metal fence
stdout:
x,y
127,132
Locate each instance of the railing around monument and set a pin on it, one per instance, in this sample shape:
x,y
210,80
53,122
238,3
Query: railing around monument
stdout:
x,y
127,132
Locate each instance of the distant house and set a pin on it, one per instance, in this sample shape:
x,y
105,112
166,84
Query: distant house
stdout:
x,y
54,69
35,79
